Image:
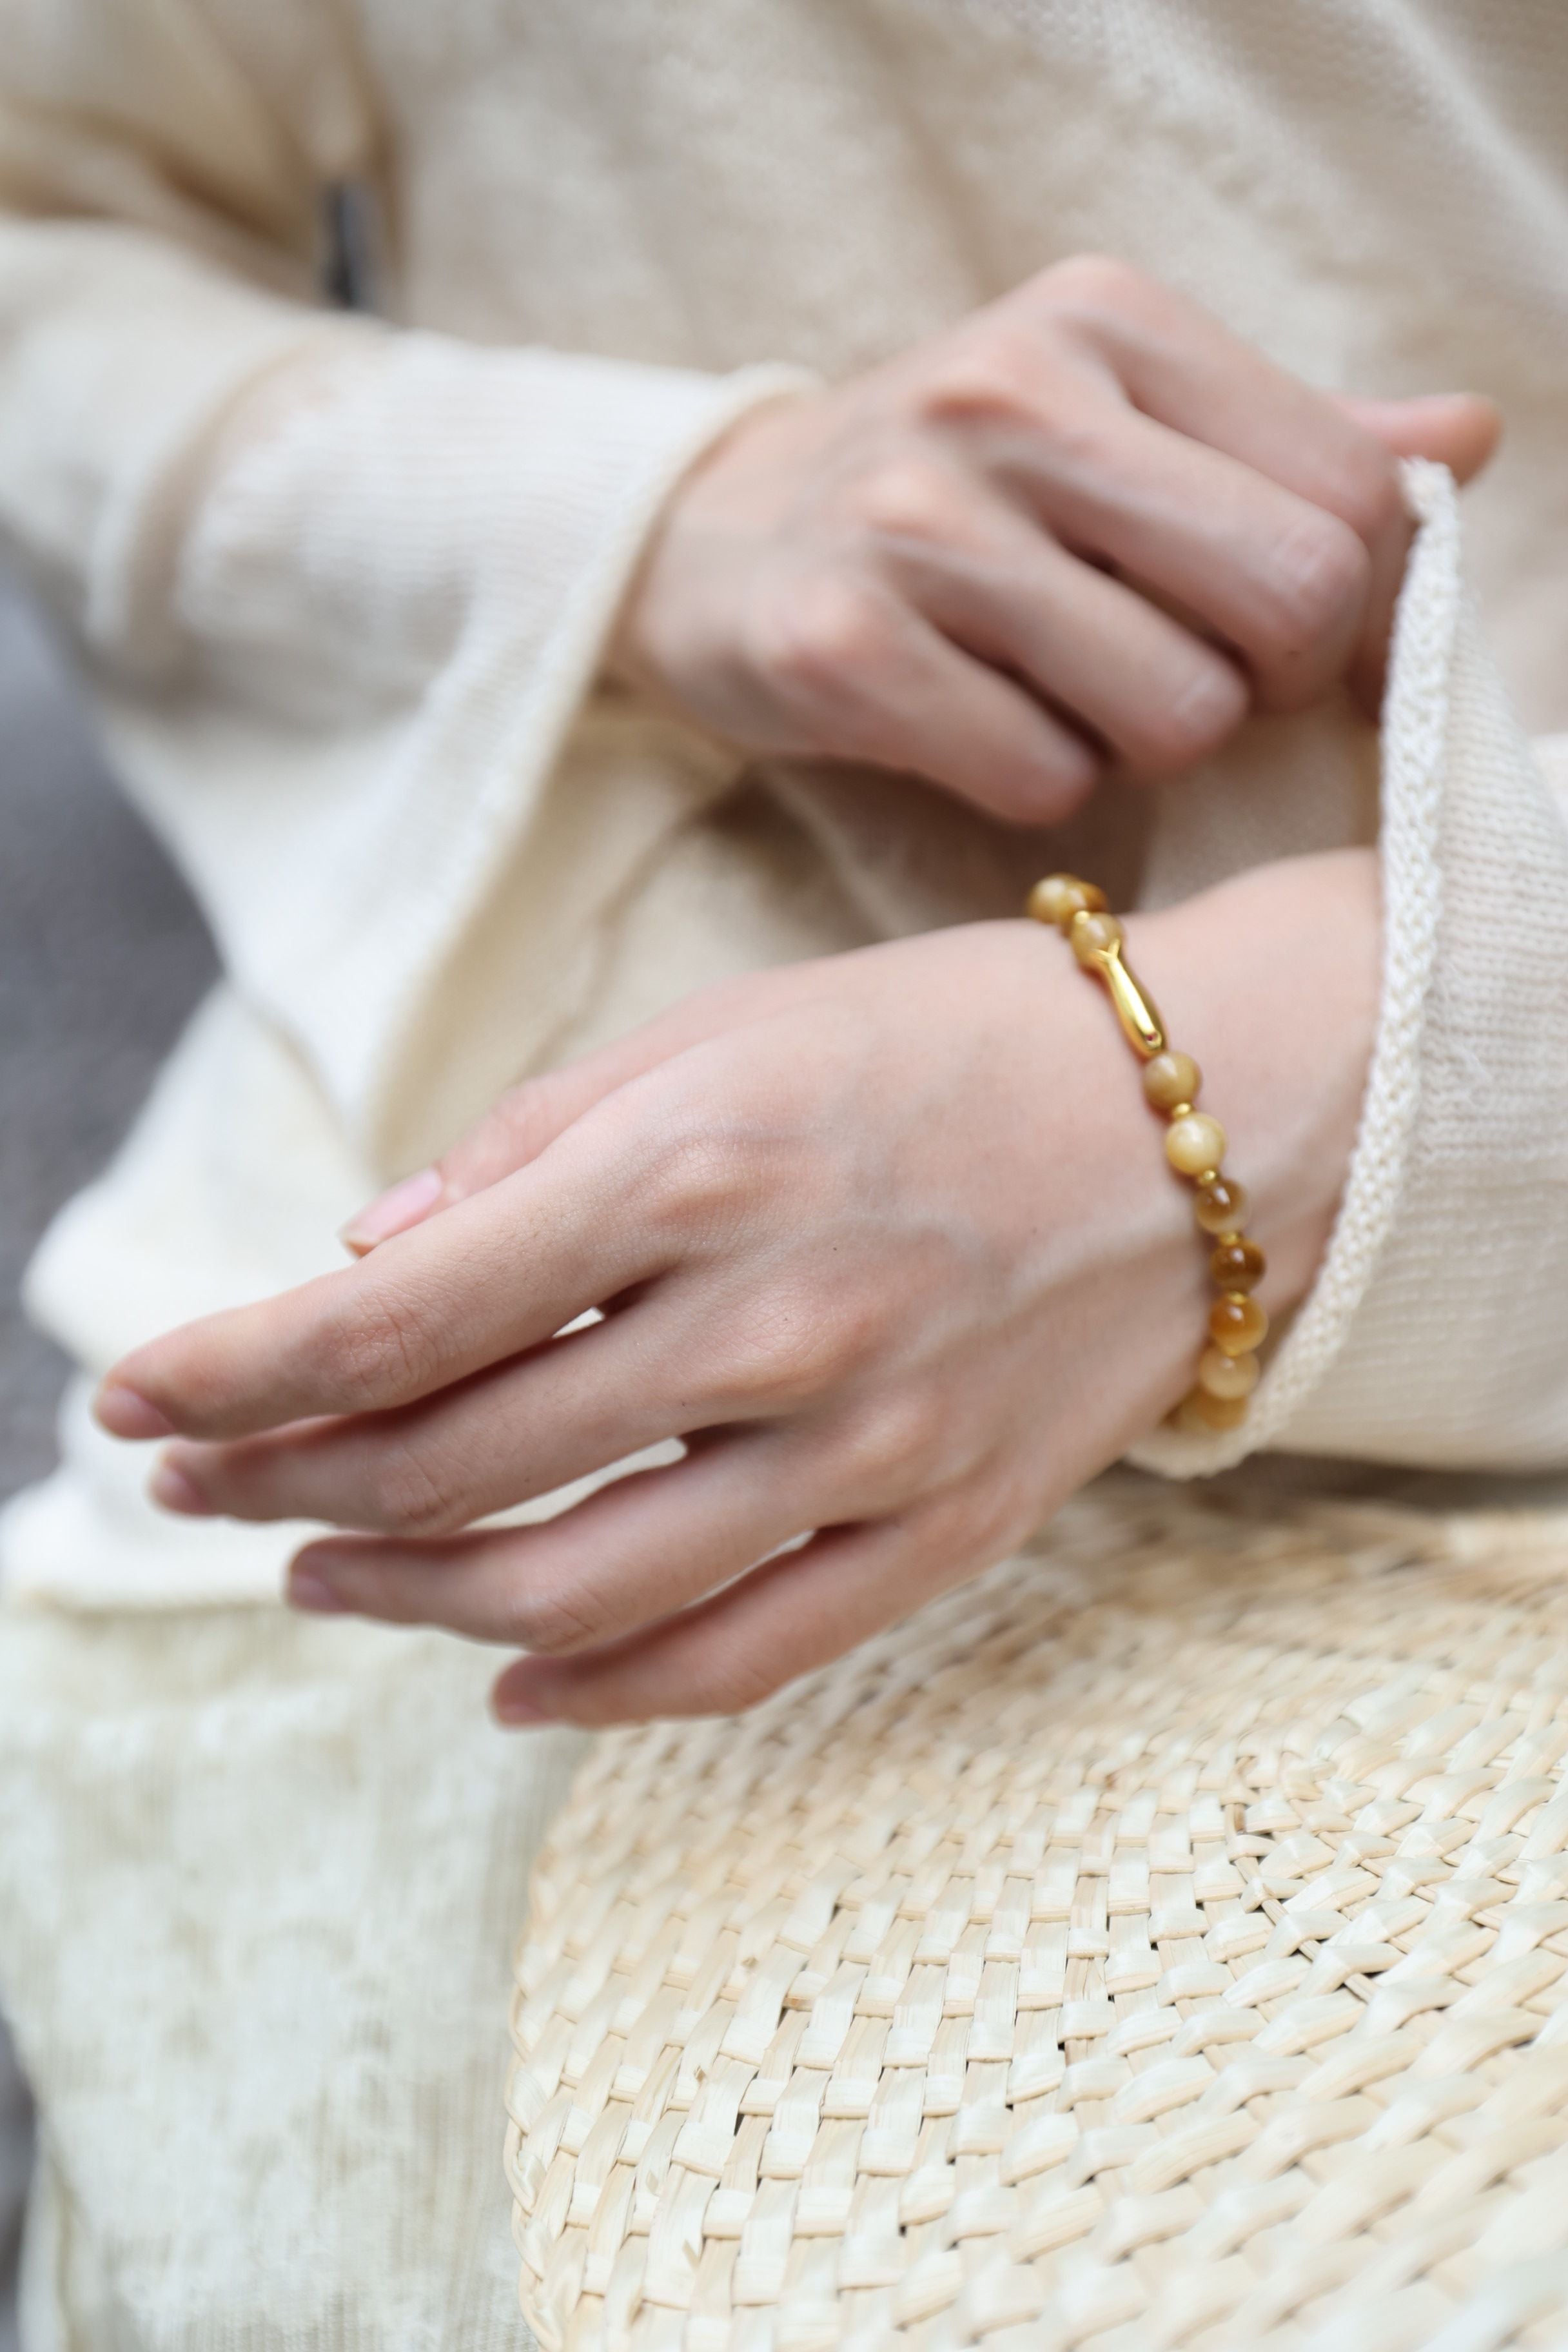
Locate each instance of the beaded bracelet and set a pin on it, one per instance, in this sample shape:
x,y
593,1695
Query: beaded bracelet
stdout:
x,y
1194,1146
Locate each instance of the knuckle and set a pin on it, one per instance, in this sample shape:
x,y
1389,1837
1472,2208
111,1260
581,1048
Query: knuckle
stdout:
x,y
1091,283
1008,372
694,1177
822,637
904,495
1315,586
523,1120
892,1440
414,1492
785,1354
731,1680
1364,490
1041,782
1025,766
994,1519
1114,312
992,371
1193,719
830,1339
971,1523
371,1351
551,1618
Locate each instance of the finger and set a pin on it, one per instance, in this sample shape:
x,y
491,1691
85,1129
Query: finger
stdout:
x,y
529,1116
525,1123
1458,429
1183,370
1158,695
730,1652
528,1427
650,1543
1190,373
497,1273
1216,389
864,677
1280,579
1186,371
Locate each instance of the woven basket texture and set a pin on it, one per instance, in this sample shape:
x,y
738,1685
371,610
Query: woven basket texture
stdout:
x,y
1162,1942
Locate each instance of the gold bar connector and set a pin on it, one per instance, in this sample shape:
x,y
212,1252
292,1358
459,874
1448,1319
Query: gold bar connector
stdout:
x,y
1135,1008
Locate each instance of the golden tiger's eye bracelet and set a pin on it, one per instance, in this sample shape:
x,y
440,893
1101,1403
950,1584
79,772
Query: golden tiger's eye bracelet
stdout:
x,y
1195,1145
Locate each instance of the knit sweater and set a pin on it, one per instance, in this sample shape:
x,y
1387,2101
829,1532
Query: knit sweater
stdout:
x,y
341,587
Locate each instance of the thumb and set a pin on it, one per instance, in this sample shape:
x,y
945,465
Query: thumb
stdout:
x,y
1459,429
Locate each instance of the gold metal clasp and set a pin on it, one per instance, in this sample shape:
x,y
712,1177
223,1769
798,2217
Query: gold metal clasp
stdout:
x,y
1135,1008
1077,909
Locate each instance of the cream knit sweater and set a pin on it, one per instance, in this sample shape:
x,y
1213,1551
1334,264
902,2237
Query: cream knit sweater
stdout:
x,y
342,586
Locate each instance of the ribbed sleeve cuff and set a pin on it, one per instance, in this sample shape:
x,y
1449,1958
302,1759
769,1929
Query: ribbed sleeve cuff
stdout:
x,y
397,597
139,349
1436,1333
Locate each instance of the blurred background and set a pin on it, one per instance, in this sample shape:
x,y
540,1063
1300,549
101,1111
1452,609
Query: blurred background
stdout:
x,y
101,957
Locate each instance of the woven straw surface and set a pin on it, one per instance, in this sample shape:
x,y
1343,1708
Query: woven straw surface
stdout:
x,y
1161,1943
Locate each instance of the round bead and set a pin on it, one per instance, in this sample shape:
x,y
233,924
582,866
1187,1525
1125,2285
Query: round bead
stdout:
x,y
1091,935
1195,1143
1237,1323
1237,1263
1211,1411
1172,1078
1060,896
1227,1376
1220,1205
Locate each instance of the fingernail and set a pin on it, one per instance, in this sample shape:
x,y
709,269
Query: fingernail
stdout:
x,y
392,1213
513,1712
311,1592
171,1488
125,1413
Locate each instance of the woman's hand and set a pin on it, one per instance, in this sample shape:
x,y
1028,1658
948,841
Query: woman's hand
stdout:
x,y
887,1239
1086,526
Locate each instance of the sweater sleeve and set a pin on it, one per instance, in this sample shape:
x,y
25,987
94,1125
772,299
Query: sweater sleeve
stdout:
x,y
342,588
1436,1333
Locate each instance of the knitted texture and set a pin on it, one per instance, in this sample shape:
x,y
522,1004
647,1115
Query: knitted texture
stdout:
x,y
258,1885
1466,819
1418,760
1161,1943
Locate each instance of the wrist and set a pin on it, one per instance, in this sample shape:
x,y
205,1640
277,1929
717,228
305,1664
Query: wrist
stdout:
x,y
1272,981
675,601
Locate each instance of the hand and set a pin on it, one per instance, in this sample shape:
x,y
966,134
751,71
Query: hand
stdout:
x,y
887,1239
1087,525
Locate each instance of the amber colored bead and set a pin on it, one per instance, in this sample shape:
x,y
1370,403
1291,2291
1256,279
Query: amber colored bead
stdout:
x,y
1237,1323
1227,1376
1220,1205
1238,1264
1171,1080
1195,1143
1060,896
1091,935
1215,1411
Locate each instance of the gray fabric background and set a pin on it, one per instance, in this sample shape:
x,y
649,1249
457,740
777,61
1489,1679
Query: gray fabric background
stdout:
x,y
101,956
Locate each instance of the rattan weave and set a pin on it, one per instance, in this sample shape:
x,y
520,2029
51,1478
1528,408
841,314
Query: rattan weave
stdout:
x,y
1161,1943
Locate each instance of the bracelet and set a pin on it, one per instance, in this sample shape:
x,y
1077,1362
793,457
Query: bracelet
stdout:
x,y
1195,1145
